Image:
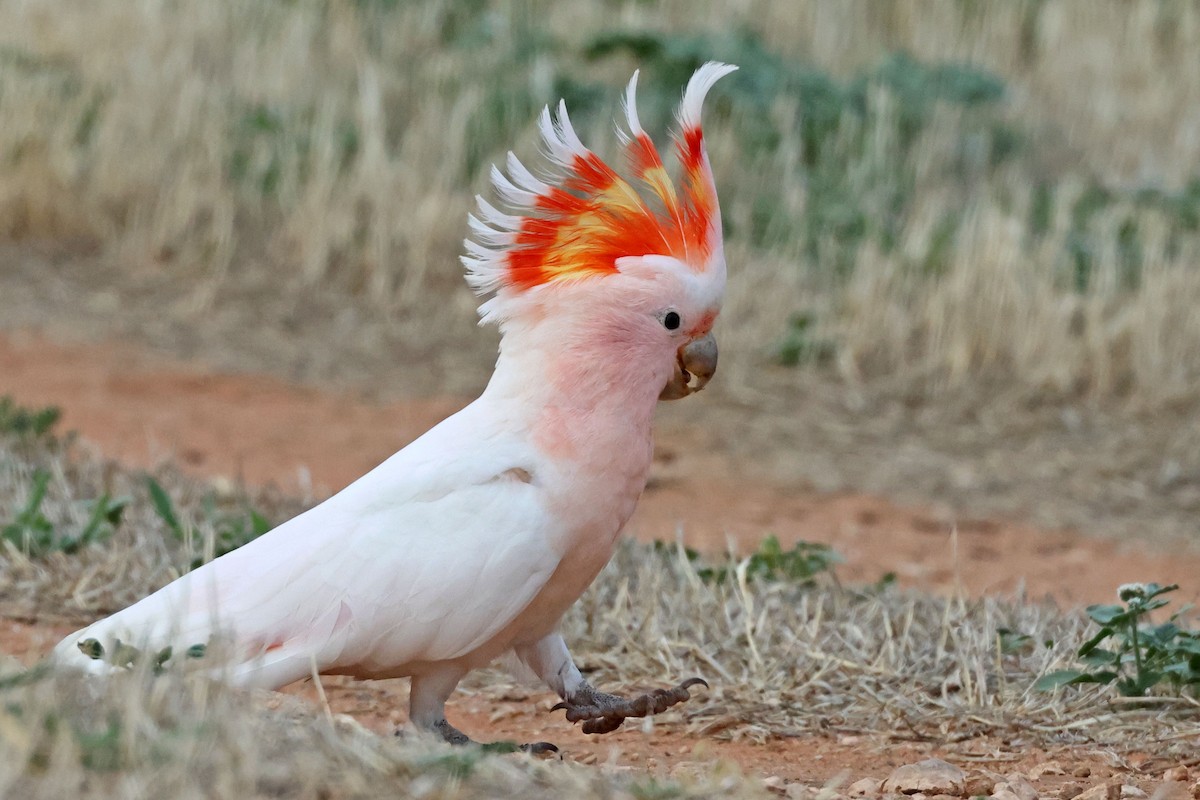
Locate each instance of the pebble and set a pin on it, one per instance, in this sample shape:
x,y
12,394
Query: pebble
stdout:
x,y
931,776
1015,787
1105,791
1178,774
1171,790
864,787
1046,768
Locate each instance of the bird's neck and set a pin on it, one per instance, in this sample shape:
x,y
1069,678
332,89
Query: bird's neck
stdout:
x,y
581,391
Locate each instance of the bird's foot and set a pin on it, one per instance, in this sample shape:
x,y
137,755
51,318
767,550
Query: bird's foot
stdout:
x,y
603,713
452,735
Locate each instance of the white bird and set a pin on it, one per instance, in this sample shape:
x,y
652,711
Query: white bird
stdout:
x,y
475,539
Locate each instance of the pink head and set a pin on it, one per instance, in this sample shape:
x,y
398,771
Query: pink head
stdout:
x,y
587,254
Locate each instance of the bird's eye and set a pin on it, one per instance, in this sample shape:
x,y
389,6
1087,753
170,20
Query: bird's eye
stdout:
x,y
671,321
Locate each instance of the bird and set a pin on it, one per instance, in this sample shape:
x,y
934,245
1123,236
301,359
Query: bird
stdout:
x,y
472,542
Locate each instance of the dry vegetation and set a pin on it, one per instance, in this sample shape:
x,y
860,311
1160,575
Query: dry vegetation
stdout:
x,y
787,657
1017,199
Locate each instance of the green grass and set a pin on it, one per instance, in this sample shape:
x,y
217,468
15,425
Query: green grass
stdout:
x,y
802,563
21,421
230,527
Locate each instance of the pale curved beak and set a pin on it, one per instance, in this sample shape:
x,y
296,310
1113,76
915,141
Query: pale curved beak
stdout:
x,y
695,365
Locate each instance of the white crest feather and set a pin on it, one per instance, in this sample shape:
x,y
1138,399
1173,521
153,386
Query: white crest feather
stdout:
x,y
629,104
697,89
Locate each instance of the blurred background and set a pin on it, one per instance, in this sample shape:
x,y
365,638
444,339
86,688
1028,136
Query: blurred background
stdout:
x,y
963,236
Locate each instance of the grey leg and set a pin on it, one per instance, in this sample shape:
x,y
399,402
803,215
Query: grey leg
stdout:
x,y
427,704
427,710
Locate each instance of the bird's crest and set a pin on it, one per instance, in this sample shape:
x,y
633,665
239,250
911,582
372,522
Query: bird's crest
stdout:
x,y
577,221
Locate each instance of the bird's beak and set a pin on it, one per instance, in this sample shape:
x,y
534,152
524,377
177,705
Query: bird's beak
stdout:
x,y
695,365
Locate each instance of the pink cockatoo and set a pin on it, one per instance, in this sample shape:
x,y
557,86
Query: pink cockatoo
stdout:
x,y
474,540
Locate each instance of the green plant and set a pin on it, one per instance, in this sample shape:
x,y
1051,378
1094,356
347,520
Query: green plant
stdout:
x,y
230,529
34,533
800,345
22,421
1139,655
801,564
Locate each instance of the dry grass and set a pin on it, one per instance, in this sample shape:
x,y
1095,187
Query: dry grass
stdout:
x,y
335,146
148,737
785,659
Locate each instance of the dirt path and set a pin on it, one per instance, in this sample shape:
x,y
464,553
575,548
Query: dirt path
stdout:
x,y
140,408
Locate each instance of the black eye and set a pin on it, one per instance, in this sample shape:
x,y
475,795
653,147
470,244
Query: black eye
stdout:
x,y
671,321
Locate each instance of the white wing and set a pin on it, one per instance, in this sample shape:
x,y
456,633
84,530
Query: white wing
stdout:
x,y
425,558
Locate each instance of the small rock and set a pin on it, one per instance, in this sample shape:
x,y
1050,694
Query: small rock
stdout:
x,y
931,776
1171,790
773,782
1018,786
1195,790
1105,791
1082,771
979,786
865,787
1069,791
798,791
1131,792
1046,768
1178,774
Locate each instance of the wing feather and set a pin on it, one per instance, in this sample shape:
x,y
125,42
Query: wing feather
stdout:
x,y
425,558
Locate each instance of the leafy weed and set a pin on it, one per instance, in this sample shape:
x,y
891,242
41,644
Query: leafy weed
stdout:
x,y
1136,655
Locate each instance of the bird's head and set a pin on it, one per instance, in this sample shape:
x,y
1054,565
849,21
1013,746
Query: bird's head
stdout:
x,y
637,264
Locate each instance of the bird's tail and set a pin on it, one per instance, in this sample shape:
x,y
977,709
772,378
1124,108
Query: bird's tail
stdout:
x,y
183,626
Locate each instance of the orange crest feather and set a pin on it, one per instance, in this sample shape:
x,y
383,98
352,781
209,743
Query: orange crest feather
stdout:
x,y
581,221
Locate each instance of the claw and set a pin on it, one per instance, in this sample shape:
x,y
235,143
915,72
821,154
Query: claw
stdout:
x,y
539,748
603,713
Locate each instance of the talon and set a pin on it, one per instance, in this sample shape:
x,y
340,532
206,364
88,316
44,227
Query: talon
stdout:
x,y
539,748
563,706
690,682
603,725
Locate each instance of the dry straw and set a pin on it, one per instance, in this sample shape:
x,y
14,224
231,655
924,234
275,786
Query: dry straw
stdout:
x,y
336,146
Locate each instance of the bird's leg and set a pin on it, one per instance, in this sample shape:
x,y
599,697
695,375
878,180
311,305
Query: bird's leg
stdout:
x,y
427,710
600,712
427,705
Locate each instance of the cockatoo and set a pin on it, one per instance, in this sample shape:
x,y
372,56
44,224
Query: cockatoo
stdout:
x,y
475,539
